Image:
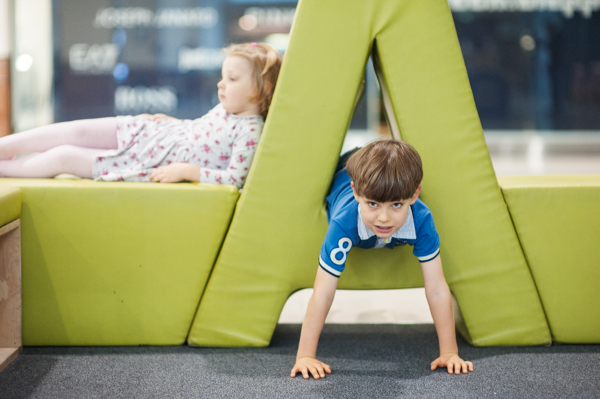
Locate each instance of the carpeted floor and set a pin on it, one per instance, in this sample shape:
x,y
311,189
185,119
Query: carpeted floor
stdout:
x,y
368,361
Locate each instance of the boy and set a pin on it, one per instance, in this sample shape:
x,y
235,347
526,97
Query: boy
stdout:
x,y
374,202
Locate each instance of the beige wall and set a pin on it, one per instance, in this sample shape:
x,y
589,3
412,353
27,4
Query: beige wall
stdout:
x,y
5,44
32,89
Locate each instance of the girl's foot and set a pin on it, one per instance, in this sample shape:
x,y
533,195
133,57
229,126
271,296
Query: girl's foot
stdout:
x,y
6,156
6,153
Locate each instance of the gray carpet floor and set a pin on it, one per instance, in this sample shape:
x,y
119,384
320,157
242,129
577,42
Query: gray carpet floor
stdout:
x,y
368,361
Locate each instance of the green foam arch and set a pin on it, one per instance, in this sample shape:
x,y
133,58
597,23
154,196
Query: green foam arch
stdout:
x,y
272,246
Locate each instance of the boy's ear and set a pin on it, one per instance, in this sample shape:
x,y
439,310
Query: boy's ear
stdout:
x,y
353,190
416,195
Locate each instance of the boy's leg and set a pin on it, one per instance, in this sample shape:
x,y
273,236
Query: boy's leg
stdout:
x,y
91,133
62,159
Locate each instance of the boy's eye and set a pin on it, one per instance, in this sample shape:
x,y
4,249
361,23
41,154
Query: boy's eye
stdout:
x,y
373,204
396,205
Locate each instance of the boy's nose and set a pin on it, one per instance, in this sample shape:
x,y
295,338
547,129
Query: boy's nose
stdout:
x,y
220,84
384,217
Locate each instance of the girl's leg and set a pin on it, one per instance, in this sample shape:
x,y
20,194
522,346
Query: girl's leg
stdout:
x,y
91,133
62,159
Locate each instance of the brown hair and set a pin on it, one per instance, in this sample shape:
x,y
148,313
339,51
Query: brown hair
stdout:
x,y
386,170
266,63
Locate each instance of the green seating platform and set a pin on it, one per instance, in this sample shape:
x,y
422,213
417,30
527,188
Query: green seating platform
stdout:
x,y
138,263
558,223
116,263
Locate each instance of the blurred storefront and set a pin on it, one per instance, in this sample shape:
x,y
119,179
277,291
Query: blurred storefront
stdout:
x,y
533,65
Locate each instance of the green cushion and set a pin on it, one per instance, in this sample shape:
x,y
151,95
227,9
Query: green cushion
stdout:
x,y
116,263
10,204
558,223
273,244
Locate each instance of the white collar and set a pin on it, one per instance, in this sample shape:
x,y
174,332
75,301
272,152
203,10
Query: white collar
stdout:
x,y
407,231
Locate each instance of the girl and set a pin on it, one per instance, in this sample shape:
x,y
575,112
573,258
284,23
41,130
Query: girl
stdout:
x,y
217,148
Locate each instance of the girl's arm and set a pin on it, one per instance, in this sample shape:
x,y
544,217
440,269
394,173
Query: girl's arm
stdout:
x,y
175,173
243,149
440,304
157,116
318,307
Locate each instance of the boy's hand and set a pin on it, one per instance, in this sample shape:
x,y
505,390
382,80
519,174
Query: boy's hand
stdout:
x,y
453,363
316,367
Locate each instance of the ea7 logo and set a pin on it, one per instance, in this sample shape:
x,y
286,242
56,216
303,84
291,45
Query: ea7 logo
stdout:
x,y
95,58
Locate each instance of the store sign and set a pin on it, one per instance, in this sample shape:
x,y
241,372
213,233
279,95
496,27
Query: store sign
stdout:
x,y
272,16
133,17
94,58
140,99
567,7
200,59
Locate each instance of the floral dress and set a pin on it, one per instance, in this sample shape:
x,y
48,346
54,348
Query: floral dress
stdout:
x,y
221,143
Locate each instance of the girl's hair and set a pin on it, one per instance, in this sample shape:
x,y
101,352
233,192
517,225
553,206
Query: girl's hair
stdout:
x,y
266,63
386,170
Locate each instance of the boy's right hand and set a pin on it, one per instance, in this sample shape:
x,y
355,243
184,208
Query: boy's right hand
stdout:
x,y
316,367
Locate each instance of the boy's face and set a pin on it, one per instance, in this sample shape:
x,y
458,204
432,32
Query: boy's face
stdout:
x,y
235,87
384,218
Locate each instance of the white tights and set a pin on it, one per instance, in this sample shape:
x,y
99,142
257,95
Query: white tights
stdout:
x,y
68,147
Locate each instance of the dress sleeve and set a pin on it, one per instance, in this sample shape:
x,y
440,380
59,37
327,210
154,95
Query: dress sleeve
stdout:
x,y
243,149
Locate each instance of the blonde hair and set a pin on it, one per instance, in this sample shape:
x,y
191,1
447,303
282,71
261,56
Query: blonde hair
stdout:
x,y
266,63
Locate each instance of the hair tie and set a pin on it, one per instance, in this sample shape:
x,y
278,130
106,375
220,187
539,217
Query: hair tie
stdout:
x,y
253,44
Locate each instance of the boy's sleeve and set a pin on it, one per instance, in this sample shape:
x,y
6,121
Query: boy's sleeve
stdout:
x,y
334,250
427,246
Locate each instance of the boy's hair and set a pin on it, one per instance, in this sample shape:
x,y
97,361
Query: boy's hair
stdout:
x,y
266,63
386,170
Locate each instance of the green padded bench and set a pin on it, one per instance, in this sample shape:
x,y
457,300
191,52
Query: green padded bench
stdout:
x,y
557,219
10,275
116,263
129,264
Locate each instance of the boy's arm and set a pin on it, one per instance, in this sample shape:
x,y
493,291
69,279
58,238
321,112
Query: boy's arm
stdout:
x,y
318,307
440,304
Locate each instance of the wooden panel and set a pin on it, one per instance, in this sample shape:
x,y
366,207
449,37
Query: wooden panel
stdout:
x,y
7,355
9,227
10,292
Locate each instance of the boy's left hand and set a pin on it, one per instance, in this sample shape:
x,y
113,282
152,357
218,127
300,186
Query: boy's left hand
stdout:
x,y
453,363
